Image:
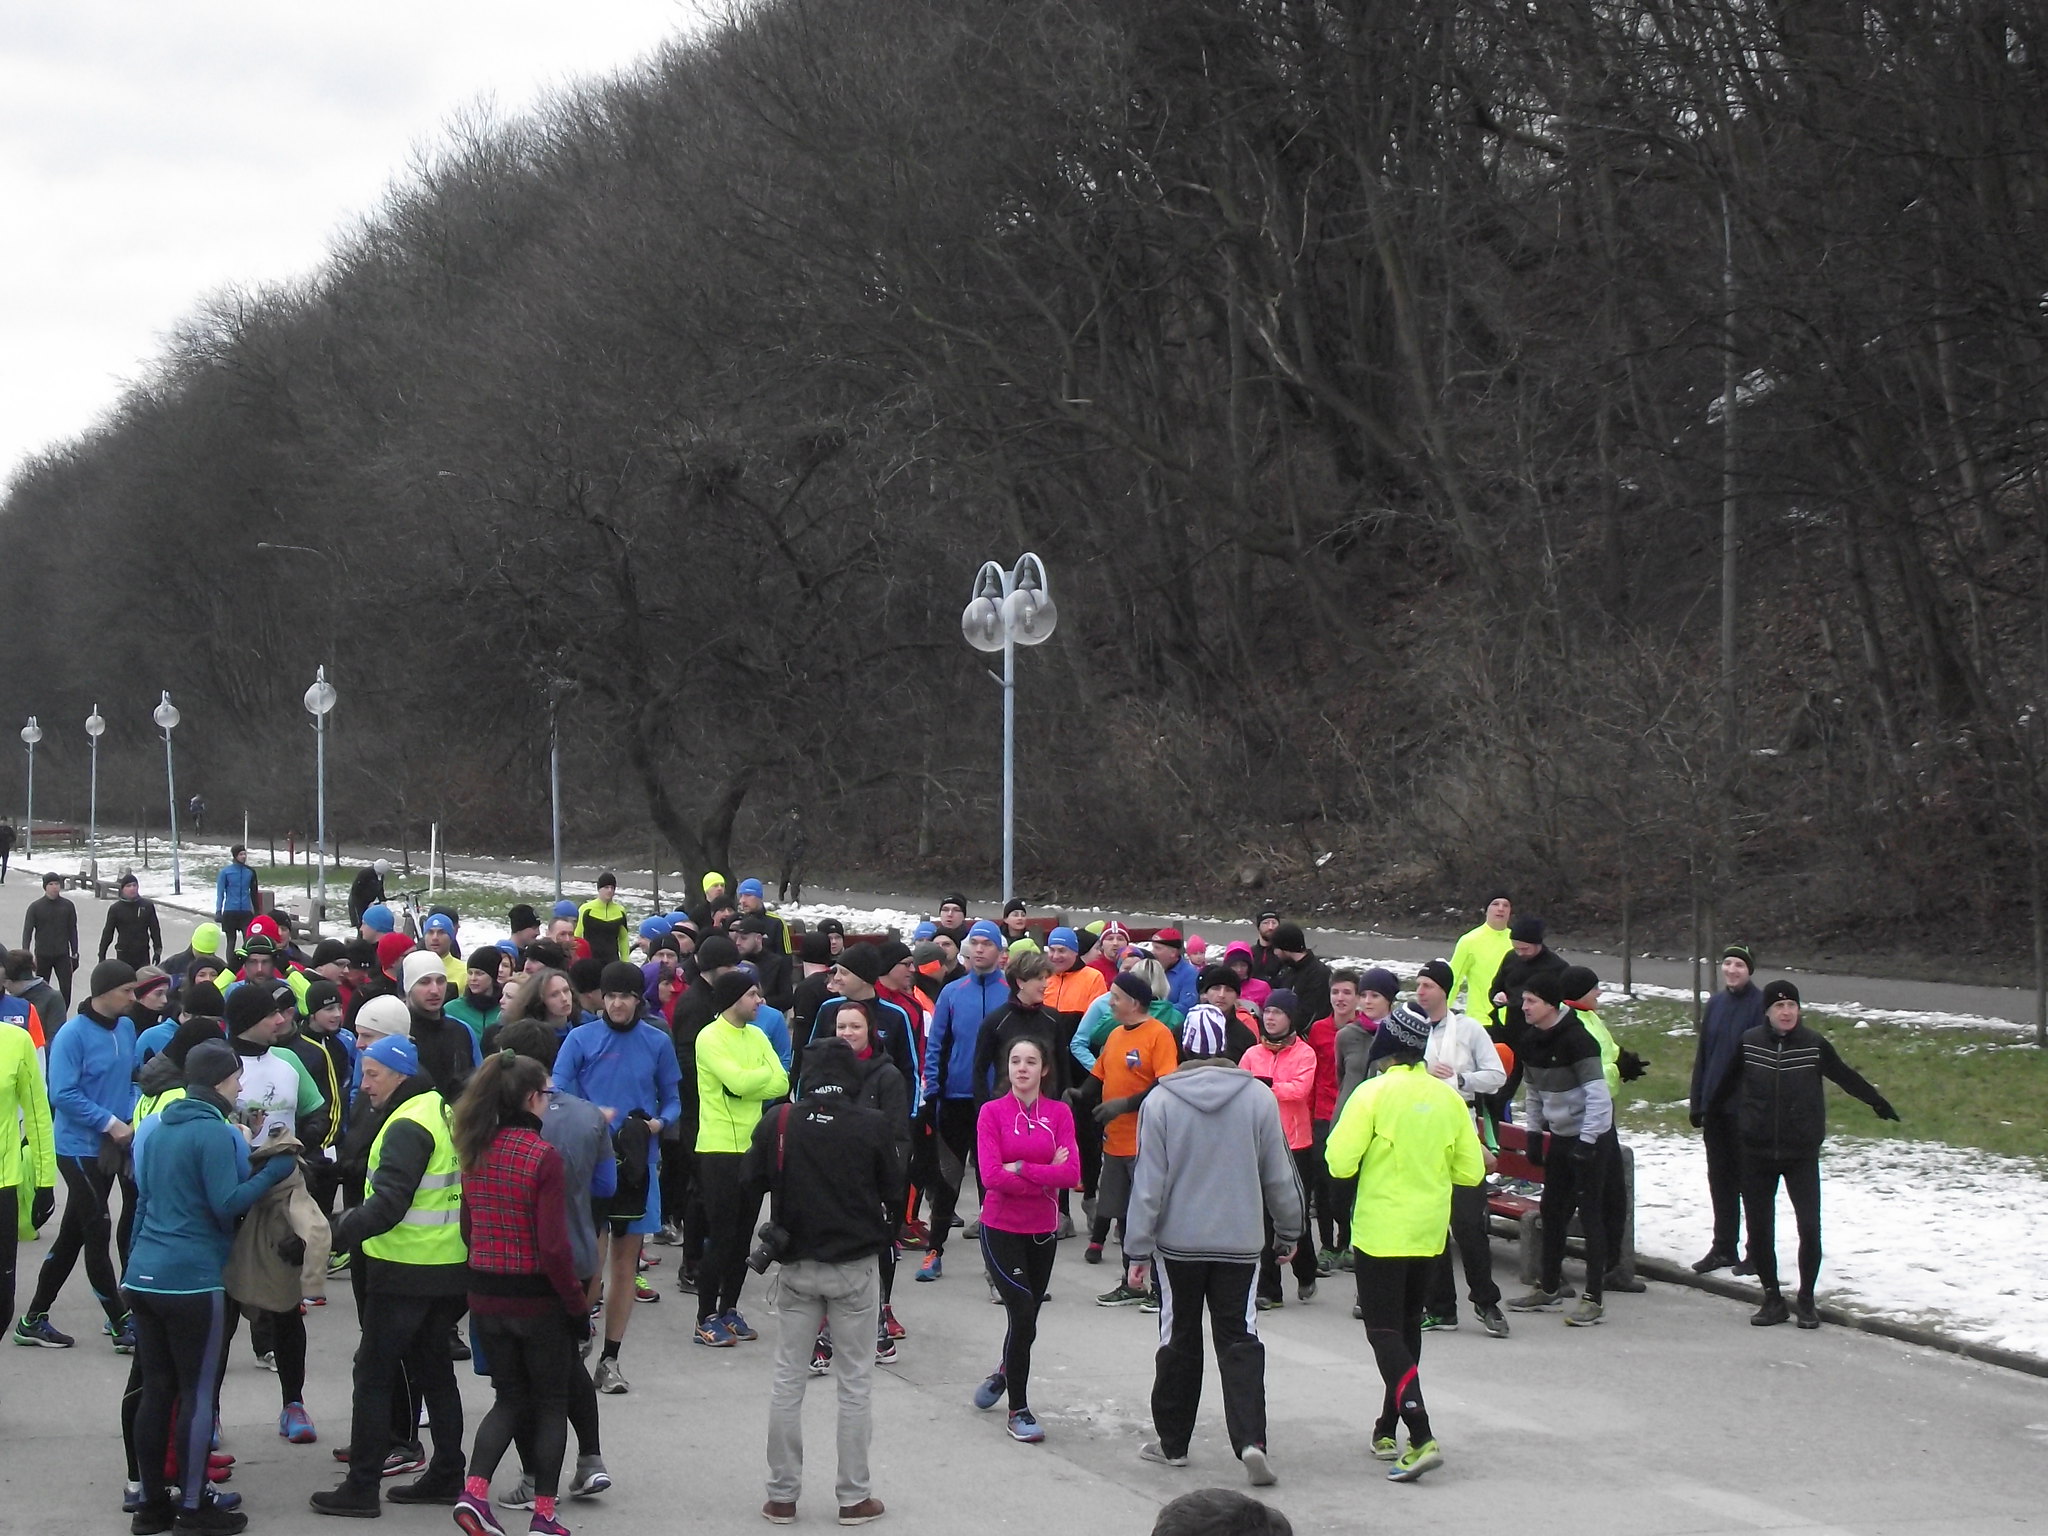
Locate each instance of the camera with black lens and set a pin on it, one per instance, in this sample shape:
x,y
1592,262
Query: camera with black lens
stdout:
x,y
771,1243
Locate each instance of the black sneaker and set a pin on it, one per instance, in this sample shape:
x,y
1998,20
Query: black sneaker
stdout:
x,y
209,1519
155,1518
1772,1312
349,1500
427,1490
1807,1313
1716,1258
1492,1321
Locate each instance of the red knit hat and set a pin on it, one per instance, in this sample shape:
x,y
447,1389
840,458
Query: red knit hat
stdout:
x,y
391,948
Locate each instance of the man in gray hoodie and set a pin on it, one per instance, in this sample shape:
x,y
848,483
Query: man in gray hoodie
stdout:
x,y
1212,1161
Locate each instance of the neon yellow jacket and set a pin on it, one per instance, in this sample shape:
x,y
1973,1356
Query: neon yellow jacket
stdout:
x,y
1408,1138
737,1072
1610,1053
1477,960
28,1147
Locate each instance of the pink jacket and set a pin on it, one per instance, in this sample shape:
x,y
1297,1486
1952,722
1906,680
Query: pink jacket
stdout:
x,y
1253,991
1006,1132
1291,1072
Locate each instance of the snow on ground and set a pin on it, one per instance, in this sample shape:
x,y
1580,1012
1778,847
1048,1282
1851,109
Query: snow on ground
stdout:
x,y
1895,1215
1912,1230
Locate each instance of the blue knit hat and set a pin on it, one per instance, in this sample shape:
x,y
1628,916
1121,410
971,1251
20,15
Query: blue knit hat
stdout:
x,y
984,929
439,922
1065,937
379,917
401,1056
655,927
924,933
753,888
564,908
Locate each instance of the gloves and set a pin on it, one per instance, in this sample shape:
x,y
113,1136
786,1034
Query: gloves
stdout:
x,y
1580,1154
928,1112
1884,1109
1538,1149
1631,1066
1108,1110
1698,1118
42,1207
292,1250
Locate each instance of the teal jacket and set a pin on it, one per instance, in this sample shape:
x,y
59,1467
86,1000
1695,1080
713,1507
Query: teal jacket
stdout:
x,y
192,1181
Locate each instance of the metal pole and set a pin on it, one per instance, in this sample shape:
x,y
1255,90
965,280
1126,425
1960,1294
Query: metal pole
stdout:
x,y
92,833
1009,768
28,826
171,781
320,820
555,790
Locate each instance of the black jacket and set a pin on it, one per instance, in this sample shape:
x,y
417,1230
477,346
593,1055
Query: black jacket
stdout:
x,y
364,892
992,1049
447,1052
837,1173
1506,1022
131,931
887,1022
1308,979
1781,1108
772,970
805,999
49,928
407,1151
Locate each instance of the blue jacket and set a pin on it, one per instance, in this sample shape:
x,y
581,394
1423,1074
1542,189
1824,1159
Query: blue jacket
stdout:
x,y
955,1026
192,1181
1717,1060
623,1070
92,1080
153,1039
770,1022
1181,989
235,890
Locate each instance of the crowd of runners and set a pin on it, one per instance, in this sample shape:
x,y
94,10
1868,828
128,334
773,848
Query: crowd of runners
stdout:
x,y
488,1147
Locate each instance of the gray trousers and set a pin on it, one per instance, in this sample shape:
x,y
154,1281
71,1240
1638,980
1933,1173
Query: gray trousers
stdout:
x,y
848,1297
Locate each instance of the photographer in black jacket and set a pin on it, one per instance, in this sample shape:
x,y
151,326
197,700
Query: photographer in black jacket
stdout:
x,y
1781,1116
831,1169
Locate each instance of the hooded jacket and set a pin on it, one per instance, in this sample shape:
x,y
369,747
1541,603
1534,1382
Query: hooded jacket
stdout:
x,y
1212,1161
1407,1137
192,1181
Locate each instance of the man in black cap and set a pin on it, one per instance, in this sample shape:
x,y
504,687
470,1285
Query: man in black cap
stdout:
x,y
1782,1118
1529,956
751,933
1296,969
682,1199
854,977
1571,1135
1730,1015
952,920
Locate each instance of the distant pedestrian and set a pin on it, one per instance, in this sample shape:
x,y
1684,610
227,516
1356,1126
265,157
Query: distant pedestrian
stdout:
x,y
6,847
234,895
1782,1118
1731,1014
195,812
131,929
49,931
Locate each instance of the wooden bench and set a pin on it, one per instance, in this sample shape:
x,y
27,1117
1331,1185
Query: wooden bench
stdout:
x,y
1525,1214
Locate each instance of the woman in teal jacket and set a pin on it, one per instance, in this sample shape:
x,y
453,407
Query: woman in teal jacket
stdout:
x,y
192,1180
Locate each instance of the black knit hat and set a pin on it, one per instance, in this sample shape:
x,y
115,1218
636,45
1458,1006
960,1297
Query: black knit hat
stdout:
x,y
1526,930
202,999
250,1003
587,974
813,949
1740,952
730,988
328,952
109,974
1288,936
1546,985
620,976
320,993
893,952
193,1031
522,917
1780,991
1577,981
864,960
1218,976
716,953
1438,971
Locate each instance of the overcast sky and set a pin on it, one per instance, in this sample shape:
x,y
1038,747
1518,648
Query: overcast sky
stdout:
x,y
152,151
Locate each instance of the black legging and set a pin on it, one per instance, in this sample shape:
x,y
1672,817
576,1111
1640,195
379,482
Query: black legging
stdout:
x,y
1760,1177
86,1228
56,970
282,1336
729,1211
1020,1264
531,1359
955,1141
1571,1187
9,1243
179,1345
1390,1299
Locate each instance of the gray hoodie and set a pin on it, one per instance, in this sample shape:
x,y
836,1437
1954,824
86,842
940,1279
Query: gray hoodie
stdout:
x,y
1212,1160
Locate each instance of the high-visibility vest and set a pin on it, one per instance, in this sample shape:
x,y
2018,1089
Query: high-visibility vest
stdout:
x,y
430,1232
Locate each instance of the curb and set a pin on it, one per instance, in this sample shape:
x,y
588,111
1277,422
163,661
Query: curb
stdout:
x,y
1884,1327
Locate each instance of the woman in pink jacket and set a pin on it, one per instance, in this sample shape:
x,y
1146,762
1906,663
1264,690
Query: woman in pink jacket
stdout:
x,y
1288,1064
1238,957
1026,1152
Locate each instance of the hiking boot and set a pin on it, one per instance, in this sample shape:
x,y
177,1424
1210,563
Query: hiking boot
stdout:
x,y
1772,1312
348,1499
1415,1461
1538,1300
431,1489
1586,1314
1491,1320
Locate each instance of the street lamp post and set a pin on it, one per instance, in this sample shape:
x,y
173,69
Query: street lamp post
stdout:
x,y
555,786
30,735
1008,609
94,726
166,716
319,701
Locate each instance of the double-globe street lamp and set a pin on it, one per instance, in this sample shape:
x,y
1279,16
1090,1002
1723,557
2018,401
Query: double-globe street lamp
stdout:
x,y
166,716
1008,609
30,735
319,702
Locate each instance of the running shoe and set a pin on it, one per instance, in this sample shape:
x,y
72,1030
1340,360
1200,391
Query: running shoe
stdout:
x,y
686,1280
210,1519
1415,1461
475,1517
1093,1253
1066,1228
642,1291
1386,1448
296,1425
591,1479
1257,1467
458,1346
1438,1322
821,1356
885,1349
1346,1259
1152,1450
1023,1425
736,1325
1586,1314
546,1525
713,1334
1715,1258
518,1496
337,1264
1149,1305
913,1234
1538,1300
38,1333
406,1459
1491,1320
933,1266
669,1235
609,1379
312,1301
1125,1295
1772,1312
124,1336
1807,1313
991,1391
1305,1290
1326,1262
1270,1303
972,1229
266,1362
890,1326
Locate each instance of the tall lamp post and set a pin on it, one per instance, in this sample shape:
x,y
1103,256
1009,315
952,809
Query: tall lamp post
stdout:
x,y
1008,609
166,716
30,735
94,727
319,701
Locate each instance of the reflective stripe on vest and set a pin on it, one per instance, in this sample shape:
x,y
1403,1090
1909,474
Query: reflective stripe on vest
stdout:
x,y
430,1231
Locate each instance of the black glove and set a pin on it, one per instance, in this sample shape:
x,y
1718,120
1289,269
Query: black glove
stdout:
x,y
928,1112
1698,1118
1538,1148
42,1207
1108,1110
1884,1109
292,1250
1631,1066
1580,1154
